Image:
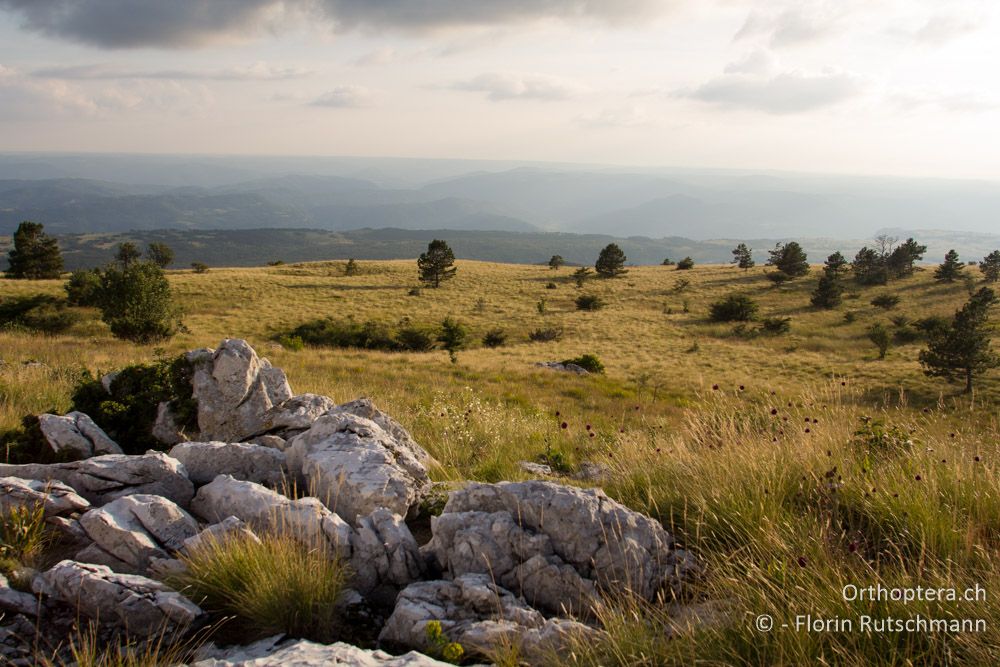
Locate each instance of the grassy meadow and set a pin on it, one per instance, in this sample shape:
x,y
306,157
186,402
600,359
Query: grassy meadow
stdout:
x,y
752,451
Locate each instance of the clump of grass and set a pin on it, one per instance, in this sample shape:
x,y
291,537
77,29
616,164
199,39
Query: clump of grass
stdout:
x,y
24,534
277,584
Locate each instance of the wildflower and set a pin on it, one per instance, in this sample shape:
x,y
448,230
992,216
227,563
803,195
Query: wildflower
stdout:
x,y
592,434
774,411
807,430
715,387
802,561
976,459
588,427
918,478
564,425
742,388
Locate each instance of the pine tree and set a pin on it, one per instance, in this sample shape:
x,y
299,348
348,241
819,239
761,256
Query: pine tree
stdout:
x,y
160,254
581,275
556,261
829,291
127,253
35,255
900,261
962,351
611,262
950,269
869,267
835,264
437,264
790,259
990,266
743,257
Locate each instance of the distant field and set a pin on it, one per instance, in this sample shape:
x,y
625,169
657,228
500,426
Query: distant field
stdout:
x,y
683,418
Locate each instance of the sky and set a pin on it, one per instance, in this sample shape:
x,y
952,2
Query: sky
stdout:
x,y
895,87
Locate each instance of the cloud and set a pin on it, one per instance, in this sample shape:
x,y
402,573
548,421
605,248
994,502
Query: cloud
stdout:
x,y
345,97
794,25
500,86
760,61
938,30
257,72
628,116
384,56
783,93
953,102
120,24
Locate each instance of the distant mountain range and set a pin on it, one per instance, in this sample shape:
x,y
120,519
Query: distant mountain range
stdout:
x,y
85,194
256,247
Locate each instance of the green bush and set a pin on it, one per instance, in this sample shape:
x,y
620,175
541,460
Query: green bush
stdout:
x,y
84,288
495,338
776,326
41,313
886,301
545,334
933,323
293,343
589,302
875,440
202,267
879,336
588,362
368,335
128,413
734,308
275,585
136,302
685,264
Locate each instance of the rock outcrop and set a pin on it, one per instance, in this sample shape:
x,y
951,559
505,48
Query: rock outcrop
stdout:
x,y
204,461
302,653
102,479
482,617
355,466
128,534
557,546
141,606
56,498
75,436
234,389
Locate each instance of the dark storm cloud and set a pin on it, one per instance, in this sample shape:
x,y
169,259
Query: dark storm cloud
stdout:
x,y
187,23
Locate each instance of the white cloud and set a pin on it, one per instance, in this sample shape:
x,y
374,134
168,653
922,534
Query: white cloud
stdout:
x,y
627,116
500,86
259,71
345,97
783,93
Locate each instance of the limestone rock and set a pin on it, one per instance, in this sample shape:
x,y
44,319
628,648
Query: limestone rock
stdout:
x,y
564,367
555,545
142,606
228,528
539,469
363,407
269,440
354,466
57,498
384,552
101,479
76,435
303,653
135,529
264,510
480,616
165,428
296,414
234,389
16,602
204,461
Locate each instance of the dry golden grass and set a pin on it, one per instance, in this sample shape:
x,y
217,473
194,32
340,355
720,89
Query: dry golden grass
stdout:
x,y
687,430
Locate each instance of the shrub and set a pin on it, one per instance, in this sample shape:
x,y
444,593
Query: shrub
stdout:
x,y
588,362
452,337
202,267
589,302
778,278
551,286
413,338
414,291
886,301
685,264
850,317
160,254
293,343
906,334
734,308
776,326
668,262
136,302
540,306
879,335
494,338
128,412
84,288
275,585
681,284
41,313
276,262
545,334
